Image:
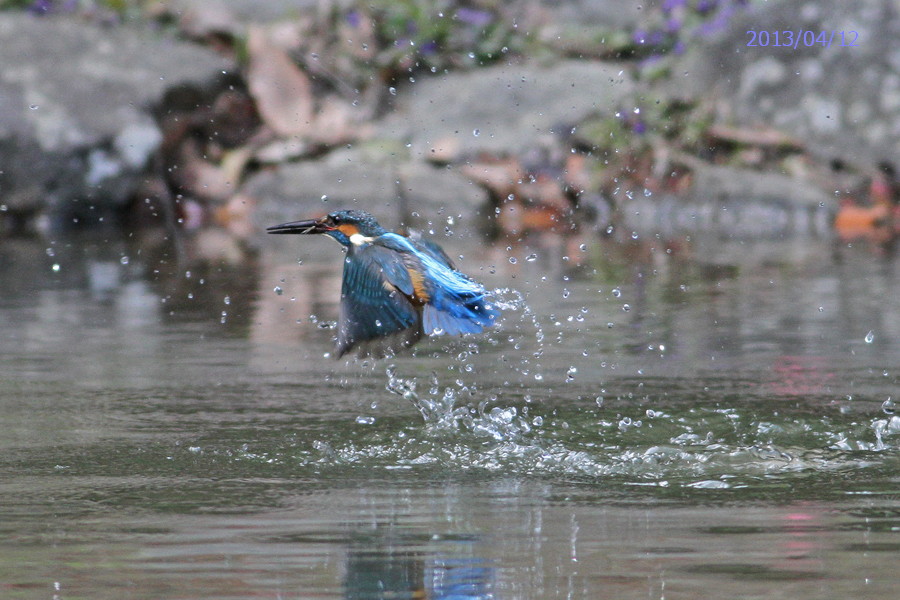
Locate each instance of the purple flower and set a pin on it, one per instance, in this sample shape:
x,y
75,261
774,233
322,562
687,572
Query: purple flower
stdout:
x,y
472,16
639,127
670,5
673,25
678,48
705,6
41,7
354,19
429,48
639,36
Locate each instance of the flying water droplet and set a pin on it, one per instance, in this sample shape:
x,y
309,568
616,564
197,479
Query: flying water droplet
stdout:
x,y
278,290
531,257
870,337
476,132
888,406
365,420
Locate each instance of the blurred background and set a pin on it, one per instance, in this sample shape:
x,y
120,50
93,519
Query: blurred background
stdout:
x,y
686,208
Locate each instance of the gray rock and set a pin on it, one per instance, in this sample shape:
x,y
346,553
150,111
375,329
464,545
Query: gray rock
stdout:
x,y
830,97
503,108
249,11
735,204
75,126
407,193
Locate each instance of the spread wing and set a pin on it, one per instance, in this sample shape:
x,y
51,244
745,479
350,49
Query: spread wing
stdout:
x,y
375,305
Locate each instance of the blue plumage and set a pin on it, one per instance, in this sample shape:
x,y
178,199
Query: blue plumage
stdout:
x,y
396,289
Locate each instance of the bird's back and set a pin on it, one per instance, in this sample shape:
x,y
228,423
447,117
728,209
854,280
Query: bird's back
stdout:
x,y
396,290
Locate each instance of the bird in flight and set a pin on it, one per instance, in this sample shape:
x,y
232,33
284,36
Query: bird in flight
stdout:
x,y
395,289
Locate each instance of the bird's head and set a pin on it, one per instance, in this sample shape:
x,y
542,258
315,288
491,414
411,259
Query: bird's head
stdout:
x,y
342,225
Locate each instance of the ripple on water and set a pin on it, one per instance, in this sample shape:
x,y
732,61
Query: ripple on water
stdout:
x,y
677,444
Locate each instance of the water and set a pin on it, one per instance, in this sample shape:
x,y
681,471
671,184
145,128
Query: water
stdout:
x,y
172,431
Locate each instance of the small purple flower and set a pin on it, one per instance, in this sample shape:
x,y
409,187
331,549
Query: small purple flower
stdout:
x,y
670,5
354,19
678,48
639,36
706,6
472,16
639,127
41,7
429,48
673,25
656,38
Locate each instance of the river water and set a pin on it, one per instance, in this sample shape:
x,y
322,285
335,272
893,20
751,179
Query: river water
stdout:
x,y
664,422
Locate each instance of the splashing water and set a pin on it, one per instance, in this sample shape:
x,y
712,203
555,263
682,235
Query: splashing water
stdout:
x,y
441,406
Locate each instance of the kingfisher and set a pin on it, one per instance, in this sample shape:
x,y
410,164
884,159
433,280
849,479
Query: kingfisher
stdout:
x,y
395,289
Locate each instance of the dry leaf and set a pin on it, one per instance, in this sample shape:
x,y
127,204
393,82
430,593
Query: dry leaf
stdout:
x,y
283,93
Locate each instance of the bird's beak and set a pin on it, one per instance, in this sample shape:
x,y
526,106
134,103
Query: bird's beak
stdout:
x,y
306,226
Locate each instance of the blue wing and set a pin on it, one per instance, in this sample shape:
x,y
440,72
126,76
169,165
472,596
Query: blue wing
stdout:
x,y
452,303
375,302
395,290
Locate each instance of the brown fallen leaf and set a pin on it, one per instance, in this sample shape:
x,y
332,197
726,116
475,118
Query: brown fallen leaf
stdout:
x,y
283,92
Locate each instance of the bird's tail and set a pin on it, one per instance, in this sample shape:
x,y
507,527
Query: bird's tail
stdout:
x,y
464,315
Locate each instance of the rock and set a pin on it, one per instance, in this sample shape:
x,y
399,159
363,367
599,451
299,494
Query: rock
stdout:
x,y
503,108
357,179
75,98
735,204
844,102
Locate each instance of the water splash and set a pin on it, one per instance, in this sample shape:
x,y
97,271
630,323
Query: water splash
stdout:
x,y
438,407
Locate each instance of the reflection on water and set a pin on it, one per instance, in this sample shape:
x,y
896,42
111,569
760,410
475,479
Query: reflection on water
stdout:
x,y
655,423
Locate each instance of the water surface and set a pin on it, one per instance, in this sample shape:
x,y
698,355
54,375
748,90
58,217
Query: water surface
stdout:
x,y
654,424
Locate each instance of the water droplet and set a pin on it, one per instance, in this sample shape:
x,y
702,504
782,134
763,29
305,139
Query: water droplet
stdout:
x,y
227,300
870,337
124,260
626,307
278,290
537,421
365,420
616,292
34,107
531,257
888,406
55,267
476,132
512,260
